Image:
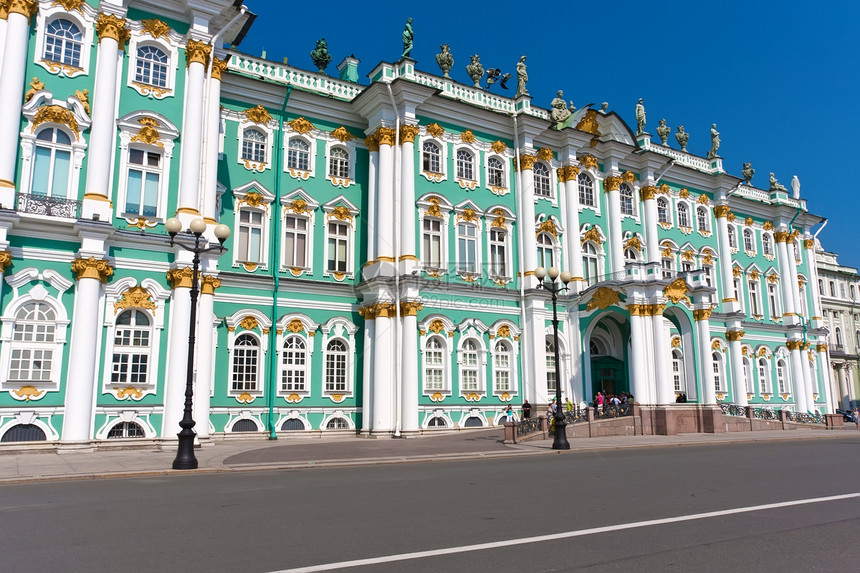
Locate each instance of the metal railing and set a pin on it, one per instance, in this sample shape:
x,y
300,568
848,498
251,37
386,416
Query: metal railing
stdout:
x,y
618,276
614,411
528,426
764,414
50,206
804,417
769,414
733,410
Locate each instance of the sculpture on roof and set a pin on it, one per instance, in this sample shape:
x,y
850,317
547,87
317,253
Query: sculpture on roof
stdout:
x,y
445,60
408,36
640,118
522,78
775,185
683,137
715,141
494,74
320,56
748,172
559,112
604,107
663,131
475,70
795,187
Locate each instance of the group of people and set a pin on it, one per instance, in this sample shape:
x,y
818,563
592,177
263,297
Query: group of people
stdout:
x,y
603,400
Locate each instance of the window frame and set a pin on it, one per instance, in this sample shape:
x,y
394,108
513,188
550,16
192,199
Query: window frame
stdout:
x,y
341,213
84,19
703,220
75,45
426,139
469,183
335,146
682,211
242,202
627,200
498,368
749,241
496,173
339,329
719,372
435,207
169,44
295,172
587,191
545,179
663,207
299,327
478,367
764,381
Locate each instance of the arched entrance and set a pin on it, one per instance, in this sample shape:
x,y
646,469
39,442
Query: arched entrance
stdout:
x,y
606,355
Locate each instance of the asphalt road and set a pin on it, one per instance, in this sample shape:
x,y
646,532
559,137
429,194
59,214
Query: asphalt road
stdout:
x,y
273,521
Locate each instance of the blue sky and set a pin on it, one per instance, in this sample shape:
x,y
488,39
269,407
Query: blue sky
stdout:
x,y
780,79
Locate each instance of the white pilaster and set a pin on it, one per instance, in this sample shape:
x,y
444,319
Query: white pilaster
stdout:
x,y
177,354
638,355
367,373
652,236
613,204
204,349
197,56
527,218
801,393
662,352
409,373
574,246
385,203
730,300
706,368
372,174
738,375
213,130
383,366
788,298
408,259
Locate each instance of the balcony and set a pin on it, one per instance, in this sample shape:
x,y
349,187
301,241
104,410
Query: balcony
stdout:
x,y
49,206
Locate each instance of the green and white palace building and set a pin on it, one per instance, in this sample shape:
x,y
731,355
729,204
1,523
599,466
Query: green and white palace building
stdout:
x,y
379,278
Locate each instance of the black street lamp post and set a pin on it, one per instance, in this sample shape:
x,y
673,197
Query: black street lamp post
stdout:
x,y
559,441
185,459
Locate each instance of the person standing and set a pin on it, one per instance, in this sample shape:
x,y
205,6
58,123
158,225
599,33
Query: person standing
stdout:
x,y
527,410
855,417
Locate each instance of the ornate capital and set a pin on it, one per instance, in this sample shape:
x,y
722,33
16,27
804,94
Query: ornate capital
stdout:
x,y
647,192
92,268
794,344
5,260
385,136
568,173
721,211
734,335
109,26
408,133
656,309
410,308
371,143
197,52
639,309
208,284
527,161
808,243
26,8
218,67
701,314
366,312
611,183
780,237
180,278
821,348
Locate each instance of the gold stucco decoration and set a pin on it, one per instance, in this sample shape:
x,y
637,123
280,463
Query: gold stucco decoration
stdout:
x,y
734,335
128,392
342,213
69,5
748,221
768,226
148,134
435,130
468,215
499,221
677,290
545,154
293,398
592,235
410,308
371,142
589,123
180,278
92,268
437,326
628,177
249,323
701,314
244,398
808,243
687,255
794,344
29,393
602,298
667,252
754,274
684,193
56,114
84,98
218,68
527,161
498,146
300,125
433,210
633,243
664,189
254,199
35,86
155,27
295,326
731,217
472,396
467,136
208,284
647,192
385,136
257,114
109,26
504,331
676,342
547,227
588,161
298,206
715,345
436,397
721,211
135,297
772,279
737,272
342,135
5,260
703,200
408,133
197,52
611,183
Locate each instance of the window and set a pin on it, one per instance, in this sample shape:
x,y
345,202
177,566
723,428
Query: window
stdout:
x,y
589,261
749,245
545,244
295,241
294,361
254,145
338,247
250,236
631,255
502,367
432,243
703,220
142,189
781,376
338,163
667,264
853,293
495,172
678,371
432,157
469,367
33,336
338,423
586,190
437,422
832,288
131,348
820,286
842,290
717,363
467,248
151,66
298,154
63,42
551,381
662,211
52,157
738,292
748,376
246,353
244,425
126,430
498,253
838,332
687,266
683,215
773,301
763,376
755,301
709,275
543,187
766,245
335,366
434,364
733,239
24,433
626,196
465,165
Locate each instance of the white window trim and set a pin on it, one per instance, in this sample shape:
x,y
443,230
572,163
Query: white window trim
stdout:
x,y
513,340
308,138
691,216
169,44
776,297
754,250
765,386
781,355
473,329
339,328
506,176
596,184
669,217
328,209
468,184
239,197
445,335
424,205
553,183
309,214
634,202
443,157
769,256
490,216
705,231
234,330
721,370
350,148
267,130
478,223
307,333
85,21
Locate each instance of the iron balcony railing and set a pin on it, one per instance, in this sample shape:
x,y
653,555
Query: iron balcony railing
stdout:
x,y
50,206
769,414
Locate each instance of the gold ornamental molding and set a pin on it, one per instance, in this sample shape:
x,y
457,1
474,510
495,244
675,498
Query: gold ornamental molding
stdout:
x,y
628,177
703,200
737,272
794,344
148,134
249,323
633,243
734,335
295,326
664,189
768,226
109,26
547,227
648,192
808,243
435,130
218,68
342,135
197,52
545,154
155,28
591,235
589,123
56,114
780,237
371,143
677,290
410,308
245,398
385,136
588,161
437,326
568,173
701,314
135,297
128,392
721,211
500,221
208,284
28,393
35,86
366,312
407,133
26,8
467,136
656,309
92,268
84,98
602,298
638,309
527,161
5,260
498,146
684,193
611,183
300,125
341,213
69,5
298,206
180,278
821,348
257,114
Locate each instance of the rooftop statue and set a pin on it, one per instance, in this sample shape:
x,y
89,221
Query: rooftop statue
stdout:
x,y
445,60
683,137
559,112
475,70
775,185
604,107
320,55
408,36
522,78
663,131
748,172
640,118
795,187
715,141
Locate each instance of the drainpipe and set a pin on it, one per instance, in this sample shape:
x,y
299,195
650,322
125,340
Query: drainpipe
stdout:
x,y
398,330
521,226
275,265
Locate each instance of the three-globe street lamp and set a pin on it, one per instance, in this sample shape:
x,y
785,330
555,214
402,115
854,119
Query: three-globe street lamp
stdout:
x,y
559,441
185,459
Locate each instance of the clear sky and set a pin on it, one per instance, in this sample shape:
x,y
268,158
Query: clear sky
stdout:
x,y
780,79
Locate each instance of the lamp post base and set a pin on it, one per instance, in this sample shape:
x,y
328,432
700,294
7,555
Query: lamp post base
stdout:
x,y
559,440
185,459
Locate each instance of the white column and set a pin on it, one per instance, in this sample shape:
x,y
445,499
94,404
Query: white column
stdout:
x,y
801,392
613,202
385,203
652,235
367,371
409,368
102,145
204,348
527,218
721,212
638,353
15,54
662,369
197,58
738,375
813,382
706,368
213,133
568,175
177,356
372,173
81,377
408,252
788,298
535,385
383,367
809,246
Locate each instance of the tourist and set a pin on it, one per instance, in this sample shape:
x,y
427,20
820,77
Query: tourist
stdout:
x,y
527,410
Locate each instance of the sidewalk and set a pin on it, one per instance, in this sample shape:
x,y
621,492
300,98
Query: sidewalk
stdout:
x,y
297,453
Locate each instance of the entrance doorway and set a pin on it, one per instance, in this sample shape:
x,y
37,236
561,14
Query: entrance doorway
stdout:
x,y
609,375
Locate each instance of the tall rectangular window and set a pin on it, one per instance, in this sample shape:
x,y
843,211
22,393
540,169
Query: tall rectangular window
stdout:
x,y
144,172
755,301
295,241
432,243
338,245
467,248
772,301
250,236
498,253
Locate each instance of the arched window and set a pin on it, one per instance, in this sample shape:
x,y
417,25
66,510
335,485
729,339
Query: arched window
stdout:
x,y
832,288
842,290
151,66
683,215
495,172
63,43
748,381
52,164
335,366
24,433
626,196
298,154
246,354
126,430
551,381
469,367
631,255
294,361
437,422
434,364
781,376
545,245
678,377
540,172
292,425
766,245
702,219
749,245
244,425
586,190
820,286
589,261
502,361
432,157
131,348
467,247
465,165
733,239
838,333
338,163
717,363
662,210
33,348
337,423
852,293
254,145
763,376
